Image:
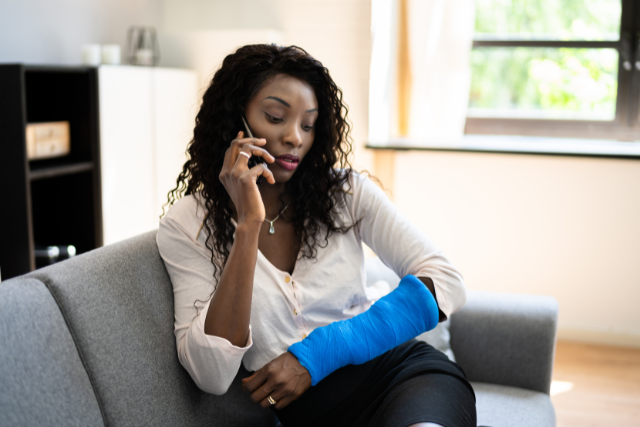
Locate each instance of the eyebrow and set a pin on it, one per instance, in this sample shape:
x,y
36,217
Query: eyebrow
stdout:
x,y
286,104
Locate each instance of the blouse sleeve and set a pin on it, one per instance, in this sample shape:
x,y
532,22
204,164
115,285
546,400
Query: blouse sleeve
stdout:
x,y
212,361
402,246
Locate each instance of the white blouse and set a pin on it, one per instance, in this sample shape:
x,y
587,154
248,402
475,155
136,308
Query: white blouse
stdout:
x,y
286,308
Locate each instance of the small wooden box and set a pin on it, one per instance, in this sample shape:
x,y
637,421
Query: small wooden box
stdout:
x,y
46,140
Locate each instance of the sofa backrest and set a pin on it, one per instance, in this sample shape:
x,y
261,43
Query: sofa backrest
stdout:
x,y
42,378
118,303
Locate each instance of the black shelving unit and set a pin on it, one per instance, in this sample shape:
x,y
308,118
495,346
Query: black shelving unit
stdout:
x,y
54,201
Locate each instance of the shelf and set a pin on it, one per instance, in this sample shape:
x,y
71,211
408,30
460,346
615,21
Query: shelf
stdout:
x,y
57,68
60,170
63,211
57,200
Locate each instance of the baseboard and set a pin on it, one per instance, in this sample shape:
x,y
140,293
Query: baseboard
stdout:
x,y
599,337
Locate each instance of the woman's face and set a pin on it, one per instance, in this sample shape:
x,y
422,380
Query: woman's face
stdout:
x,y
284,112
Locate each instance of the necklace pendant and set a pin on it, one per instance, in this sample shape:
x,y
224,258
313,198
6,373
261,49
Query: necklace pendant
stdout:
x,y
272,229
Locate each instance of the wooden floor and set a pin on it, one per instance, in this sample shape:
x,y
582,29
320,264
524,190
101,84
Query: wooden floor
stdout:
x,y
596,386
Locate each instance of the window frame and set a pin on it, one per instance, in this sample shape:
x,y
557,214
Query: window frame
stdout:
x,y
625,126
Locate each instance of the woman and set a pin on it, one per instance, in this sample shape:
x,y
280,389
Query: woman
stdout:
x,y
259,257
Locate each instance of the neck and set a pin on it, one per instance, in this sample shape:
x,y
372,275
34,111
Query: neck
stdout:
x,y
271,198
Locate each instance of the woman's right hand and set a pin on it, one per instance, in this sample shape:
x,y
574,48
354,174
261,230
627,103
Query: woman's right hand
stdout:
x,y
240,181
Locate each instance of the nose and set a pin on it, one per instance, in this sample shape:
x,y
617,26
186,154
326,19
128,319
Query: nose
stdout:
x,y
293,136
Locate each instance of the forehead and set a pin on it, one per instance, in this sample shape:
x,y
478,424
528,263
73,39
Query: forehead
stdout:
x,y
290,89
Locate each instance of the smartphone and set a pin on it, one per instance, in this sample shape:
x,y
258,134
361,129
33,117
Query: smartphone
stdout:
x,y
253,160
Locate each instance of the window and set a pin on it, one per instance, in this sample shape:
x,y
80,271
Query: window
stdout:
x,y
560,68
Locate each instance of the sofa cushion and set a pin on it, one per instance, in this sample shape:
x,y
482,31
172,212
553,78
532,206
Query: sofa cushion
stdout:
x,y
119,304
43,379
503,406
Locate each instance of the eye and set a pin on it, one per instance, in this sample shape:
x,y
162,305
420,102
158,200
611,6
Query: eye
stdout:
x,y
272,118
307,128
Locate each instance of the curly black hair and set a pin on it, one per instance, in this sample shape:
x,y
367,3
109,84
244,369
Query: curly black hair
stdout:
x,y
317,185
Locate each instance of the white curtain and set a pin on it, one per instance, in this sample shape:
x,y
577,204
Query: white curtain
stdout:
x,y
439,35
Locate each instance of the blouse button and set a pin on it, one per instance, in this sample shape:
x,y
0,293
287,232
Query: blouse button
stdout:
x,y
295,311
287,279
304,335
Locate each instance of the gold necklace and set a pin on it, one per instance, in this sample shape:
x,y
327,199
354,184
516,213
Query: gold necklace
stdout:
x,y
272,229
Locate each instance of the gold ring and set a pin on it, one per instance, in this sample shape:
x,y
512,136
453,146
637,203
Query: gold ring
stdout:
x,y
270,399
245,154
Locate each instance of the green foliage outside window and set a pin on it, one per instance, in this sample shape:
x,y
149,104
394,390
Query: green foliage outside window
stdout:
x,y
549,19
545,79
534,82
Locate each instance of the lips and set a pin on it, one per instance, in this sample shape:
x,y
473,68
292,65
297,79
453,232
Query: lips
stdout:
x,y
288,161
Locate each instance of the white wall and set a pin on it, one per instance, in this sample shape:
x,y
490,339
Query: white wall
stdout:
x,y
550,225
221,14
336,32
53,32
204,50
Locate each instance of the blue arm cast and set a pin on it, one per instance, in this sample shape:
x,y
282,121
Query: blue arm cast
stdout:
x,y
401,315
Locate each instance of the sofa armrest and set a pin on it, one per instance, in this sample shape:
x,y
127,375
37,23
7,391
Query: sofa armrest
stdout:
x,y
506,339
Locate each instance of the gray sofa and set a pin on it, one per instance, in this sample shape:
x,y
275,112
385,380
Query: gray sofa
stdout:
x,y
89,341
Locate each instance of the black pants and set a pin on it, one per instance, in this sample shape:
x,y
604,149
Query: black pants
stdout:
x,y
410,384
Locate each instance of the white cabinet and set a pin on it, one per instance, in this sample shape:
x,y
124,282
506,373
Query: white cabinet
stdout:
x,y
146,121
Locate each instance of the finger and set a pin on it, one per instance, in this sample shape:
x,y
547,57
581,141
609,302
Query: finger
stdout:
x,y
255,381
262,170
241,152
261,393
251,150
265,402
238,143
244,380
278,395
227,154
